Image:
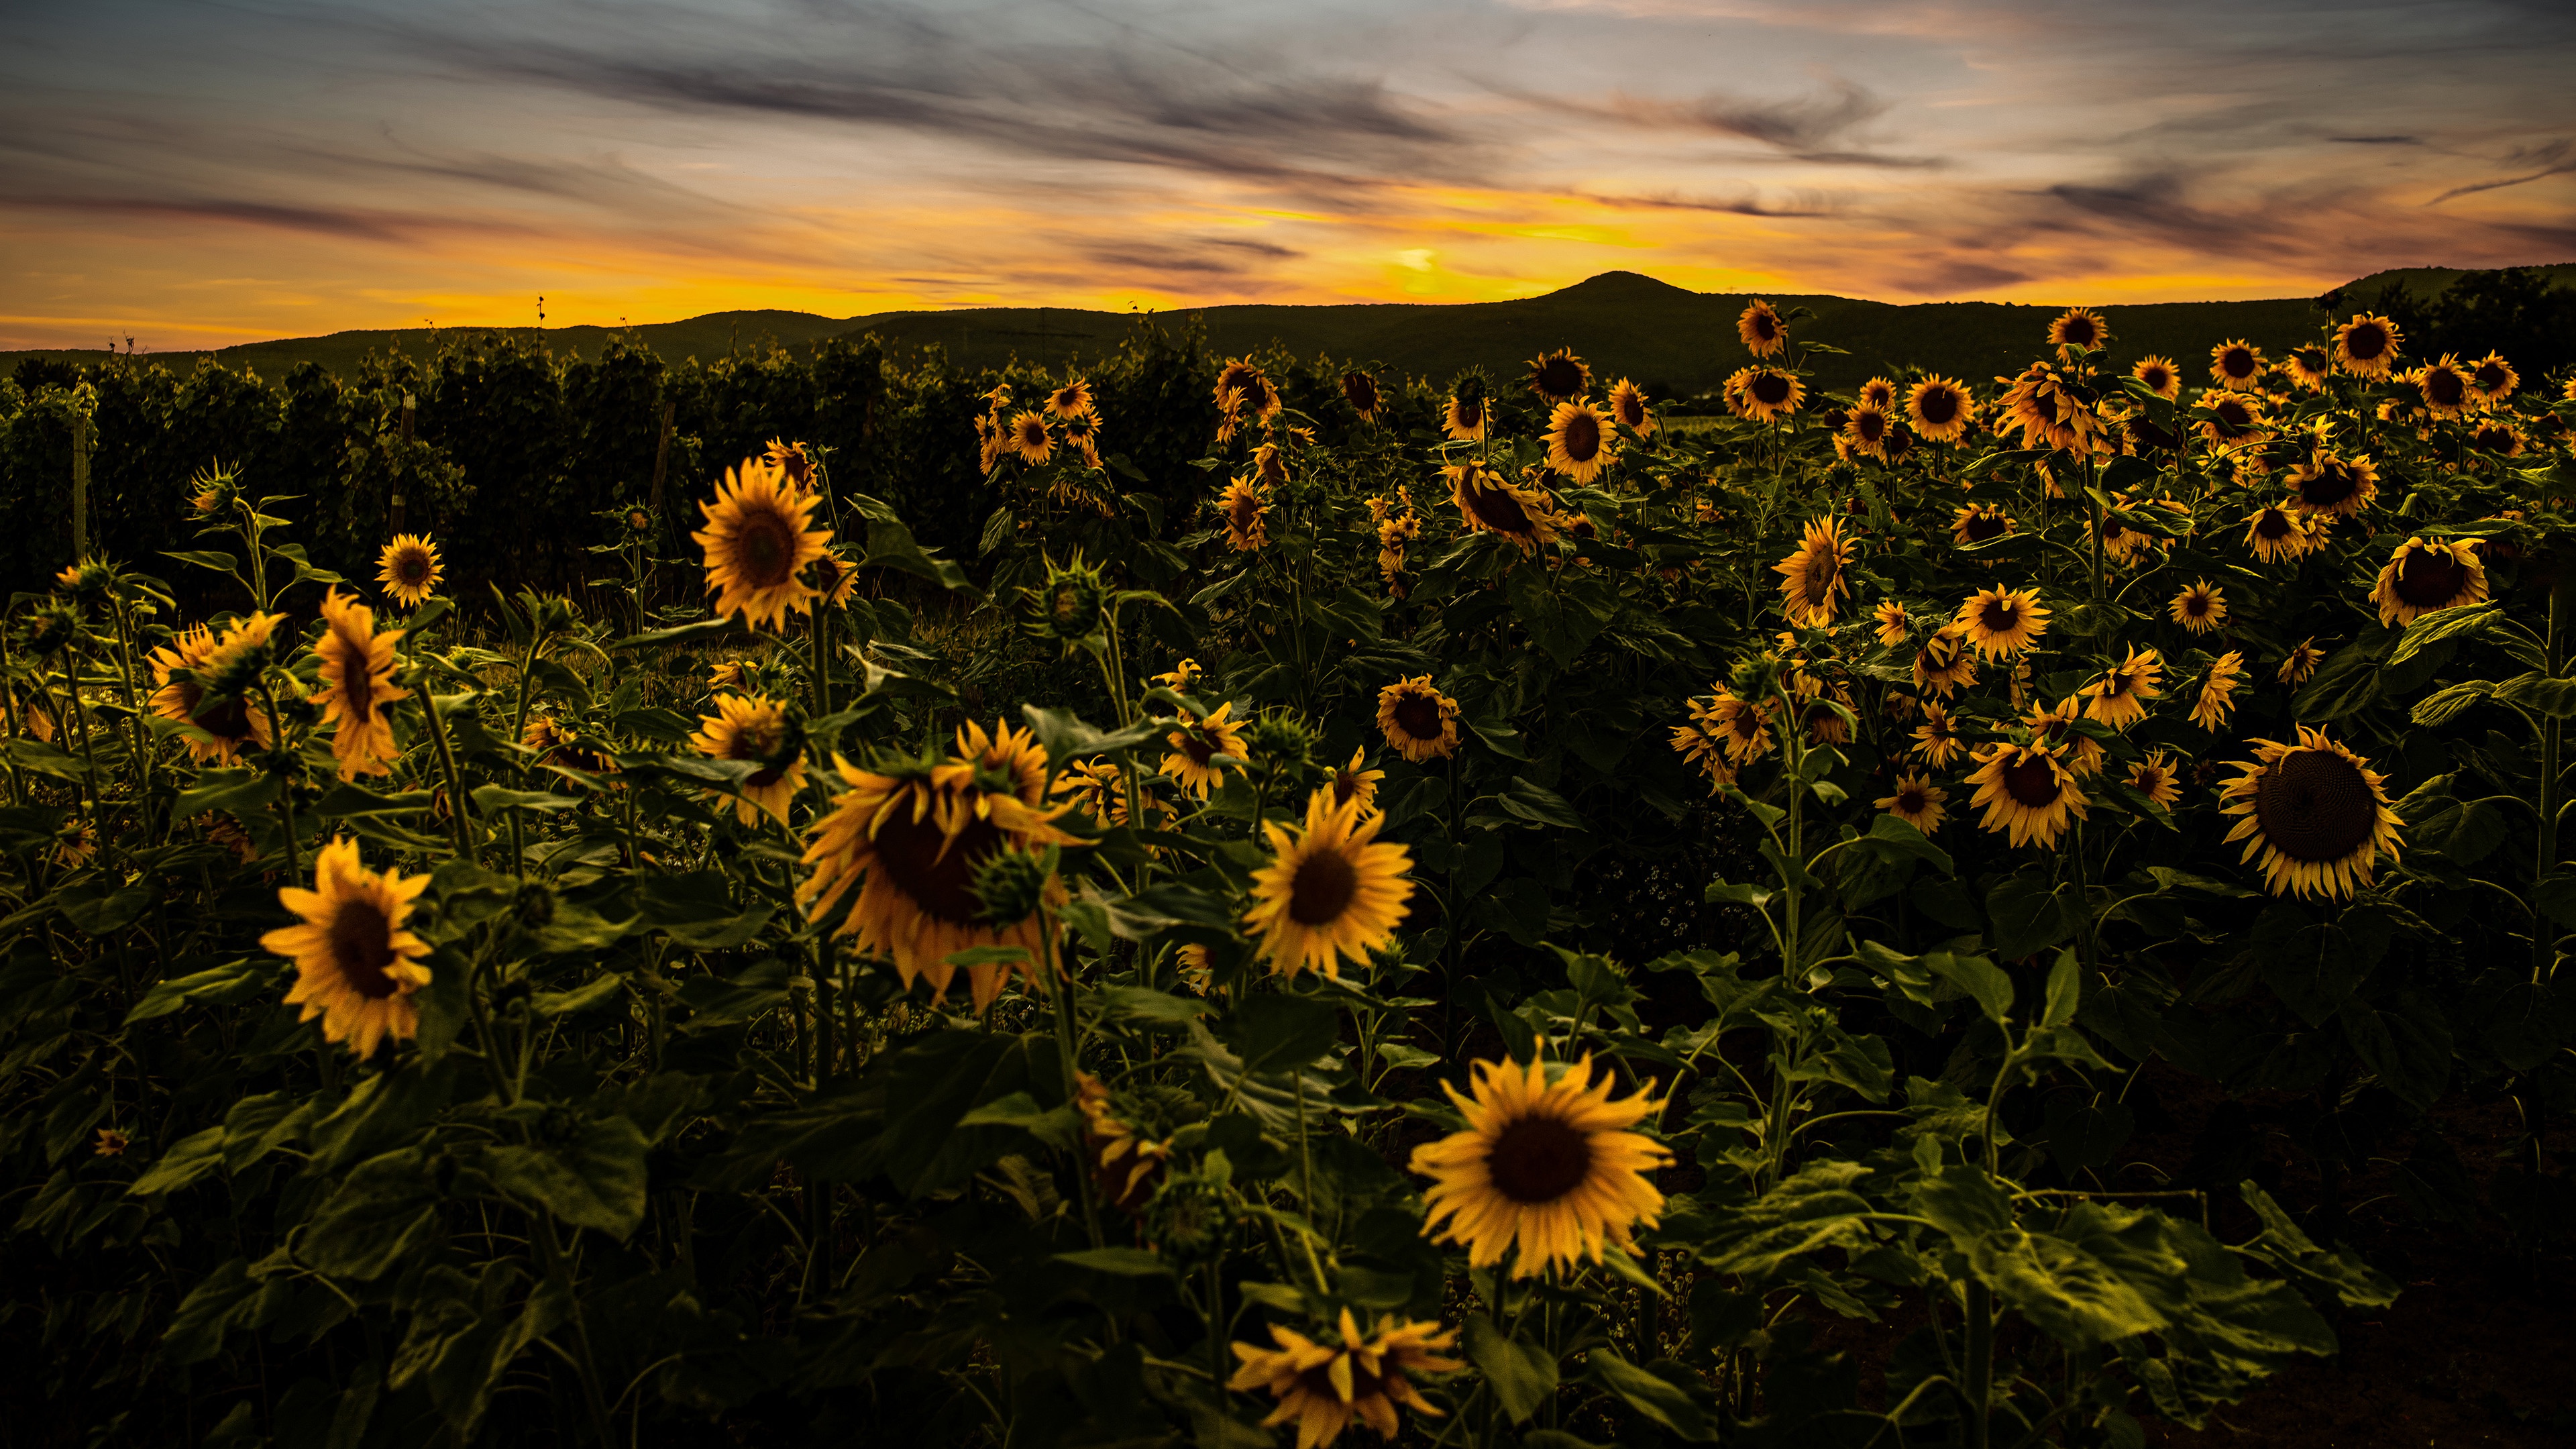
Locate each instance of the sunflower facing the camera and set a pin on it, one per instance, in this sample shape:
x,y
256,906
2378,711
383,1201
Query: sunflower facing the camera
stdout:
x,y
1546,1169
2314,814
1331,892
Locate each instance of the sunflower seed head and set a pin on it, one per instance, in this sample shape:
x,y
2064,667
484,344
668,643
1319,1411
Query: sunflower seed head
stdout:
x,y
1010,885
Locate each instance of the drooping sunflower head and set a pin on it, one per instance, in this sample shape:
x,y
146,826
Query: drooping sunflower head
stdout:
x,y
2217,697
1354,781
1234,385
2444,386
1005,760
2367,345
1946,661
179,694
409,569
233,668
2079,327
2495,435
1812,579
2277,533
756,730
2028,793
2001,623
2301,662
1331,892
1559,376
2314,814
1360,390
355,965
2427,574
2334,487
2201,608
2155,778
1936,739
1544,1170
2119,698
2236,366
1466,418
1180,676
1979,522
1418,721
1939,408
2230,418
2160,376
1893,625
1246,514
1580,442
1768,394
1322,1387
1490,503
1915,800
1628,408
1761,329
357,677
1742,726
757,544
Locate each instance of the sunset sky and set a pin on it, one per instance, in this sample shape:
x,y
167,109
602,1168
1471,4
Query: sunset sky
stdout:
x,y
195,174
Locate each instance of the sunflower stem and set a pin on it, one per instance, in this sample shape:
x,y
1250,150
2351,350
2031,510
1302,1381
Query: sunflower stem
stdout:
x,y
1980,1388
1068,1037
2544,944
447,769
285,778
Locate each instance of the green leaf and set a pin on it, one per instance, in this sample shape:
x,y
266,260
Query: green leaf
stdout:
x,y
1900,836
2281,1243
1523,1376
593,1179
225,985
242,792
682,634
217,1303
2031,915
99,911
2065,991
1118,1262
1539,805
1813,1210
2541,694
1277,1033
1984,982
580,999
188,1159
2065,1291
2440,624
1665,1403
383,1214
1067,738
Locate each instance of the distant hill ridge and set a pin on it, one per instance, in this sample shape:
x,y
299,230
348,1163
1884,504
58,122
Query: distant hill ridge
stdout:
x,y
1673,340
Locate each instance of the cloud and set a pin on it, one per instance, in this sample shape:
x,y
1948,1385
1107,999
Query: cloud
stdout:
x,y
2557,158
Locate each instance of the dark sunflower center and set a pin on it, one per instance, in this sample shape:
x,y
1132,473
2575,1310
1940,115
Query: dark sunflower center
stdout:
x,y
1539,1159
1469,413
362,947
1765,326
1560,377
1498,510
2273,525
2444,387
1322,889
1582,438
765,551
2033,784
2156,379
1818,581
357,683
1939,405
2366,341
1870,426
1243,512
2234,416
1345,785
2315,806
1910,801
1196,745
1982,526
2196,605
939,882
412,567
2332,484
2490,377
2430,579
1770,389
2311,360
2237,362
2000,616
1632,411
2079,330
1418,717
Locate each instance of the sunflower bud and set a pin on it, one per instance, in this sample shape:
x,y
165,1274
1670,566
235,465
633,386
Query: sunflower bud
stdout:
x,y
86,580
213,491
556,614
51,630
1073,603
1280,742
1754,677
534,908
1010,885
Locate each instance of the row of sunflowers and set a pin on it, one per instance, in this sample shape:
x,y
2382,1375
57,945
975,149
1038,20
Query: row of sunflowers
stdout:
x,y
1489,938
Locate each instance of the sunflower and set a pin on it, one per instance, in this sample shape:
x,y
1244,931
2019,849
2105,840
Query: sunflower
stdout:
x,y
1073,400
2160,376
2001,623
355,965
2027,792
2047,414
1233,386
755,728
911,844
1699,747
1490,503
2443,386
1893,626
2367,345
1917,802
1419,721
1559,376
2119,698
1763,332
2082,755
1355,781
1196,746
1768,394
2202,608
1866,428
1978,522
2231,419
1029,438
1741,725
2314,813
1331,891
1246,515
2218,693
1628,406
1811,578
1360,390
1939,408
2499,437
1321,1388
791,459
2300,663
2334,487
834,577
179,670
1545,1168
1579,441
357,667
2154,778
2428,574
1937,739
1945,662
409,569
2236,366
1466,420
2277,534
757,542
76,845
2079,327
1125,1163
2309,364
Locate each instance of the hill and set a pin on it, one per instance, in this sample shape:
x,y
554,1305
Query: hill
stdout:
x,y
1672,340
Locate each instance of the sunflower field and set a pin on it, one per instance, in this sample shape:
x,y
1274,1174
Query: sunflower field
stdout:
x,y
1495,918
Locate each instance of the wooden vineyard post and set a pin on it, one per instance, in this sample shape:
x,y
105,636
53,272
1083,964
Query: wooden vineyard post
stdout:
x,y
80,485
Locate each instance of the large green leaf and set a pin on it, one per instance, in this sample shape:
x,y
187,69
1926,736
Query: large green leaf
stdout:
x,y
1521,1375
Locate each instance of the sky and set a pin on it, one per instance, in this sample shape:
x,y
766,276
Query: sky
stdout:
x,y
194,174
